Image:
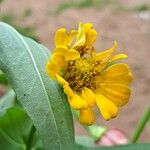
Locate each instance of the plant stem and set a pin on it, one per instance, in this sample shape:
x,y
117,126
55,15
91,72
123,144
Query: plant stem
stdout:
x,y
30,138
95,132
140,126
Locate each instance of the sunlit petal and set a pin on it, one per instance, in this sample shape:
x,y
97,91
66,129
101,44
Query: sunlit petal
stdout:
x,y
117,73
86,116
117,93
107,53
62,38
72,55
89,96
107,108
77,102
52,69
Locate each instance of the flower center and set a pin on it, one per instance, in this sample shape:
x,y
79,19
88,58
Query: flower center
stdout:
x,y
83,72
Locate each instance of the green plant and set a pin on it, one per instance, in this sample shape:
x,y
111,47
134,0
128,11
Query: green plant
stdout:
x,y
45,106
26,31
27,12
140,7
80,4
134,8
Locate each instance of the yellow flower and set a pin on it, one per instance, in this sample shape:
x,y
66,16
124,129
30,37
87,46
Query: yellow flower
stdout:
x,y
89,78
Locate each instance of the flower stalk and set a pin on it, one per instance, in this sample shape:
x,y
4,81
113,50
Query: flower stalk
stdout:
x,y
30,138
140,126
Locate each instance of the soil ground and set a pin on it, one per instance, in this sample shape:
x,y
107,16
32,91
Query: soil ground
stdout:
x,y
130,29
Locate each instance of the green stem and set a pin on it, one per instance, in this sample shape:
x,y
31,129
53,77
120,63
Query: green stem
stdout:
x,y
95,132
30,138
140,126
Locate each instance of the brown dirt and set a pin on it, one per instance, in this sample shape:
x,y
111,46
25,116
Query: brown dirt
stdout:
x,y
131,31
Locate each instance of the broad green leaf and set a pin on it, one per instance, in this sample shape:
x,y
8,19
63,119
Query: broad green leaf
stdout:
x,y
7,101
23,61
15,128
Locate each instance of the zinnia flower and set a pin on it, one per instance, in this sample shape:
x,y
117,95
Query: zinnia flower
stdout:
x,y
89,78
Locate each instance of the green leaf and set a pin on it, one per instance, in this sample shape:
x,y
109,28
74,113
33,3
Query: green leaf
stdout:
x,y
3,79
95,131
7,101
15,127
119,147
23,61
85,141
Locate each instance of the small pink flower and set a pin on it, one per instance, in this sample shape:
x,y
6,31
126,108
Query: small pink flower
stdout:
x,y
113,137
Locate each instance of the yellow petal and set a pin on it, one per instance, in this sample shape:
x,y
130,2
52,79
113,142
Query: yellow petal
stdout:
x,y
77,102
89,96
117,93
116,69
81,37
68,54
107,53
62,38
68,91
52,69
87,27
72,35
90,38
61,80
72,55
118,57
62,50
117,73
107,108
58,59
86,116
86,35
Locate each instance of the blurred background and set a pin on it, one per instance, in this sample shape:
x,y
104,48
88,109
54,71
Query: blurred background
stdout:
x,y
126,21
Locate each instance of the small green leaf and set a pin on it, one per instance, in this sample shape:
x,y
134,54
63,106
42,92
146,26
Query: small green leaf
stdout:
x,y
95,131
7,101
119,147
85,140
15,127
3,79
